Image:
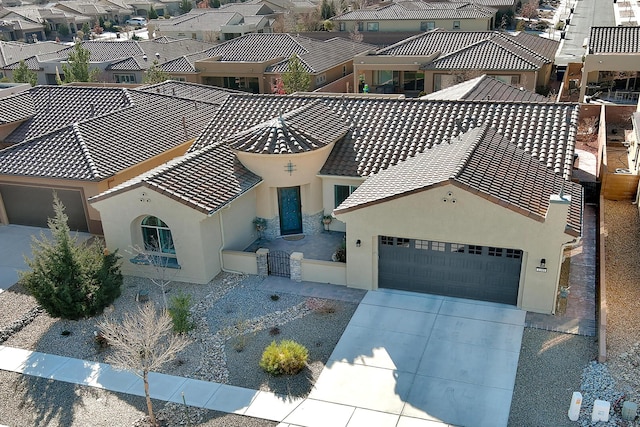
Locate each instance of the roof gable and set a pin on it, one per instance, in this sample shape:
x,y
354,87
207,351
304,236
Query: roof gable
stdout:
x,y
485,88
206,180
481,161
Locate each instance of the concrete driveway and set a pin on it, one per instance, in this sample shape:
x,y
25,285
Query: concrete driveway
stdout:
x,y
15,244
410,359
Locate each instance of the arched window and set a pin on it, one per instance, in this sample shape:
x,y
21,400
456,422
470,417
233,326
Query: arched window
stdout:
x,y
157,236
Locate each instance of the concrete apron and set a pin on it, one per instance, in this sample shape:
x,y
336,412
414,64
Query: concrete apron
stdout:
x,y
413,359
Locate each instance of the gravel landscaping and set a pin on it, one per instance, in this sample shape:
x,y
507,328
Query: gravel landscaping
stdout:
x,y
235,320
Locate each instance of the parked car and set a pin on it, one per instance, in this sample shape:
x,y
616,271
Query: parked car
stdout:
x,y
136,21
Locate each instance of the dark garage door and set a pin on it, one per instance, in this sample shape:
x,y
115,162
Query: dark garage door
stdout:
x,y
466,271
34,205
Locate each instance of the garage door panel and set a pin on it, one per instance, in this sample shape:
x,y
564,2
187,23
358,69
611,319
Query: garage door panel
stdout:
x,y
34,205
465,271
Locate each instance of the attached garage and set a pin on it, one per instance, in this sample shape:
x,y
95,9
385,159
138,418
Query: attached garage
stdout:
x,y
452,269
33,206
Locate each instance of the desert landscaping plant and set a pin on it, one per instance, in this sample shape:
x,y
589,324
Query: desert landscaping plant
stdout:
x,y
163,274
179,310
287,357
71,280
142,342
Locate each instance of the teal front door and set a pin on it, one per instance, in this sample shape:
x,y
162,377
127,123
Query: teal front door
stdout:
x,y
290,211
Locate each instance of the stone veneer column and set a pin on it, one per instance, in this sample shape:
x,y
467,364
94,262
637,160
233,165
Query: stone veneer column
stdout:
x,y
296,266
263,267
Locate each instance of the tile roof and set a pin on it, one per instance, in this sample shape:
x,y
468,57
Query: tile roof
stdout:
x,y
13,52
448,42
418,10
100,146
492,54
247,9
196,20
614,40
184,64
481,161
192,91
307,128
101,51
316,55
485,88
56,107
15,108
386,131
491,3
205,180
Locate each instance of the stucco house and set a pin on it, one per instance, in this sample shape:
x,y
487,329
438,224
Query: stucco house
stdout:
x,y
254,62
81,141
464,198
437,59
418,16
612,64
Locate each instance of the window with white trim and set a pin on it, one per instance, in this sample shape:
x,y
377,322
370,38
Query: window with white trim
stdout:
x,y
373,26
341,192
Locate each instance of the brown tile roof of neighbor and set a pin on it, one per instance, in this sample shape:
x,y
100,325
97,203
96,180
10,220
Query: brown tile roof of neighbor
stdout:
x,y
56,107
101,51
387,131
483,162
417,10
193,91
316,55
307,128
491,3
485,88
206,180
13,52
96,147
445,42
491,54
17,107
614,40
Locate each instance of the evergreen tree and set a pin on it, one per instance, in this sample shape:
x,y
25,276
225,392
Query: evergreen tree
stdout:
x,y
327,9
296,78
68,280
214,4
152,13
77,67
23,74
86,29
185,6
155,74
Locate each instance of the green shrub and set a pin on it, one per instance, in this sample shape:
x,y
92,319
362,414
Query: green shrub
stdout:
x,y
179,311
71,280
288,357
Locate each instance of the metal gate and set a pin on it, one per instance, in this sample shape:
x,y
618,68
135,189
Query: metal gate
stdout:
x,y
279,263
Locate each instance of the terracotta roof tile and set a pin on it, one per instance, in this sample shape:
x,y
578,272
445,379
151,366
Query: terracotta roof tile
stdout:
x,y
386,131
192,91
305,129
96,147
17,107
483,162
485,88
205,180
614,40
418,10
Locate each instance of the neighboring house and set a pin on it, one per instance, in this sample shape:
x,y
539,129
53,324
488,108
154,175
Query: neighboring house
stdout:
x,y
501,5
479,187
213,25
117,61
288,6
53,18
612,64
485,88
8,89
11,53
437,59
254,62
417,16
14,26
80,141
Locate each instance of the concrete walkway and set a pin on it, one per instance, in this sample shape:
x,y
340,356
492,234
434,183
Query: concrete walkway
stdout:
x,y
405,360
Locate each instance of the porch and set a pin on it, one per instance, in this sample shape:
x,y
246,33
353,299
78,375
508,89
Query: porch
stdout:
x,y
319,246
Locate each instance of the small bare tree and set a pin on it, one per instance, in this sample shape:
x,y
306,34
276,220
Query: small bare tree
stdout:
x,y
162,275
142,343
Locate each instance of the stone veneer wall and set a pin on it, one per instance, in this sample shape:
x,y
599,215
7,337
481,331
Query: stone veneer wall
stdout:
x,y
311,224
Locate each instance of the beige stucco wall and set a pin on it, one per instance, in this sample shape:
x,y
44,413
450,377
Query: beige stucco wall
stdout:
x,y
271,167
196,237
237,221
471,220
328,197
